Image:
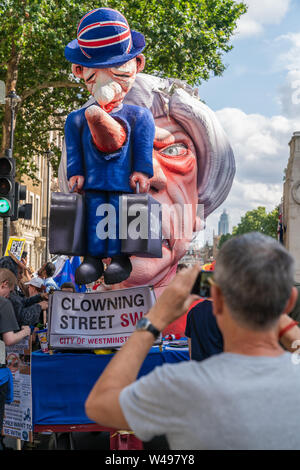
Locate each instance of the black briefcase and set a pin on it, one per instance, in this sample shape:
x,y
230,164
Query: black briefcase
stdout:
x,y
67,224
141,225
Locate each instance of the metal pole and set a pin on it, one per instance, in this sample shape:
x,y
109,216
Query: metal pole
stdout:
x,y
47,220
5,233
9,153
12,126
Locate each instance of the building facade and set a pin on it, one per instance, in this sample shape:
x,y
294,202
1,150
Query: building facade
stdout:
x,y
291,203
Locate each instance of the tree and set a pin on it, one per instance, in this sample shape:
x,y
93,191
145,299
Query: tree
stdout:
x,y
257,220
224,239
185,39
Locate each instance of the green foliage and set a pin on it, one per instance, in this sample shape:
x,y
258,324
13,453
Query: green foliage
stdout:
x,y
224,239
185,39
258,220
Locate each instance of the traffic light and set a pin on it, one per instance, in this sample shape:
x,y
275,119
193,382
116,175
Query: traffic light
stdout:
x,y
23,211
7,186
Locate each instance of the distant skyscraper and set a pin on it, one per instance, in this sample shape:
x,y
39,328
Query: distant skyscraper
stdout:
x,y
224,223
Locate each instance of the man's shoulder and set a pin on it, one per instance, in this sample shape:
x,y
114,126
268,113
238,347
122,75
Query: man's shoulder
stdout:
x,y
49,282
200,305
3,301
5,305
76,117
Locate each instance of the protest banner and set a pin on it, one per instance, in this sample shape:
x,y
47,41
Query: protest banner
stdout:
x,y
15,246
96,320
18,414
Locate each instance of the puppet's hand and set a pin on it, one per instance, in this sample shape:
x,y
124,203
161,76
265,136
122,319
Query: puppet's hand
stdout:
x,y
76,183
142,179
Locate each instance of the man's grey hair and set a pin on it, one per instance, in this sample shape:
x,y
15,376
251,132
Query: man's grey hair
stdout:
x,y
255,274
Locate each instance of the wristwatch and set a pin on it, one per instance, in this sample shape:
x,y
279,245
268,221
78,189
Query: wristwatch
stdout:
x,y
144,324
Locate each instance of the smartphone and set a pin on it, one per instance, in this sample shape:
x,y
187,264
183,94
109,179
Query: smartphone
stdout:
x,y
202,285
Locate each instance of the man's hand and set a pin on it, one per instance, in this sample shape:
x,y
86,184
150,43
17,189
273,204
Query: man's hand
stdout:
x,y
77,180
175,299
44,295
26,329
142,179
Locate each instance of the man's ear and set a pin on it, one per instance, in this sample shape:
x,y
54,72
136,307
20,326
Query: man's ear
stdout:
x,y
77,70
140,63
292,301
217,299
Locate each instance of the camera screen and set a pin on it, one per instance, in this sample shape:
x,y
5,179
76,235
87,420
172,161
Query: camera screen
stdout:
x,y
202,285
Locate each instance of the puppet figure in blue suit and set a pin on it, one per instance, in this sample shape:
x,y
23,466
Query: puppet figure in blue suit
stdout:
x,y
109,144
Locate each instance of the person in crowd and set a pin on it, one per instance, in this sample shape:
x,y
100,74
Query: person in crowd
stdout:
x,y
68,287
26,273
239,397
28,311
35,286
18,269
9,334
46,272
204,336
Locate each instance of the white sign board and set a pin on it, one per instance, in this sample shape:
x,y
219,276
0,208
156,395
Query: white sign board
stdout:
x,y
18,414
96,320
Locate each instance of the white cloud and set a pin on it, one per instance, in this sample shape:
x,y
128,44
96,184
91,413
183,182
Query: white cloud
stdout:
x,y
261,149
259,14
289,60
260,144
289,94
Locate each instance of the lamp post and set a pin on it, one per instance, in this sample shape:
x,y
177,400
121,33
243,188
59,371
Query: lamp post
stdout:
x,y
13,100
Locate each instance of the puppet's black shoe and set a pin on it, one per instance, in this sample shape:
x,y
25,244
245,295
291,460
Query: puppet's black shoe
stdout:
x,y
89,271
118,270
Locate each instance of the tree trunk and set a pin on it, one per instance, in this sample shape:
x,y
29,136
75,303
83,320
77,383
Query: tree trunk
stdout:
x,y
11,84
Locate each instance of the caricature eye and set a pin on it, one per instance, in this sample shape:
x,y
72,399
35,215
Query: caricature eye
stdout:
x,y
175,150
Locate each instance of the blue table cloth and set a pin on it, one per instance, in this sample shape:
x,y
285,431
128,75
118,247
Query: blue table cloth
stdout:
x,y
62,381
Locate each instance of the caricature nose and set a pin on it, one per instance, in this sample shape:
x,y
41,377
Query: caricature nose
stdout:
x,y
159,180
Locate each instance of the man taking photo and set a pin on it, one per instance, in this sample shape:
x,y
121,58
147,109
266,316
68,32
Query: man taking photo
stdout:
x,y
243,398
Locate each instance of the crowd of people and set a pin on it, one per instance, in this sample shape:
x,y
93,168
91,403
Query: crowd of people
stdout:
x,y
23,310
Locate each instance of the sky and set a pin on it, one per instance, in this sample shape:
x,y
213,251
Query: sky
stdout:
x,y
257,101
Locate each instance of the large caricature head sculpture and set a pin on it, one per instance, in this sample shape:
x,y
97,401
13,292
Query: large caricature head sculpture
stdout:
x,y
192,158
193,164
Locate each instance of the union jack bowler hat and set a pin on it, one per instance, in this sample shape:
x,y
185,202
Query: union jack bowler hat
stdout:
x,y
104,40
